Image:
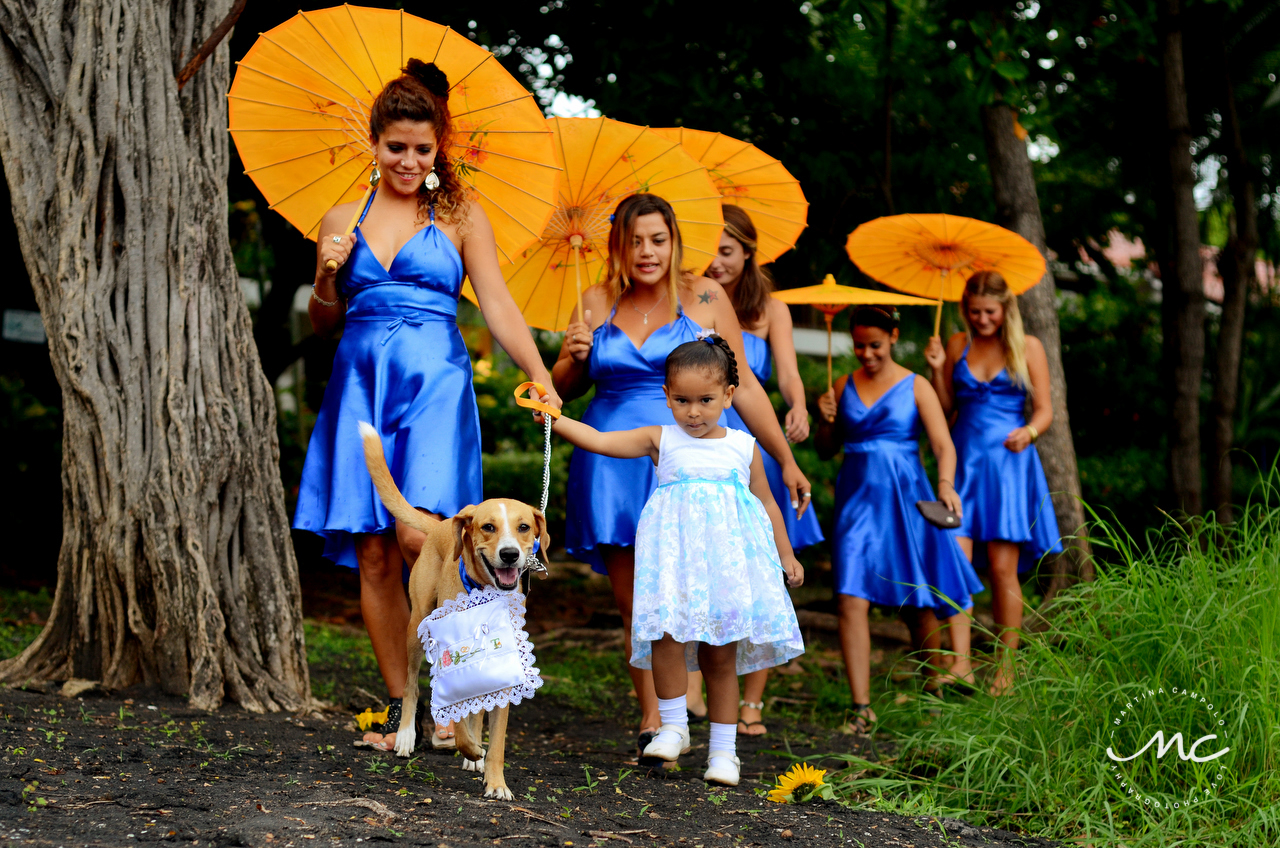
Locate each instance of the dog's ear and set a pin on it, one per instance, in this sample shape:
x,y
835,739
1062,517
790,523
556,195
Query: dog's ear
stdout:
x,y
461,524
544,538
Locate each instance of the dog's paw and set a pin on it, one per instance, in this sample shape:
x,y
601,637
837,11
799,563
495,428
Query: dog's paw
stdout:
x,y
473,765
406,738
501,792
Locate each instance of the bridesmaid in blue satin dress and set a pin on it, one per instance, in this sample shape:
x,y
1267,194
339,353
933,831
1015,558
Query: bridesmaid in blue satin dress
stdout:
x,y
985,375
643,310
401,365
884,551
766,336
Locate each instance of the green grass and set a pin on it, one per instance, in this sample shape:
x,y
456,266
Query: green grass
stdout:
x,y
1193,609
22,616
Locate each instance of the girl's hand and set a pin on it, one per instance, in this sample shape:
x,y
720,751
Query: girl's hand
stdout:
x,y
337,249
795,573
947,495
1018,440
935,354
797,424
827,405
578,338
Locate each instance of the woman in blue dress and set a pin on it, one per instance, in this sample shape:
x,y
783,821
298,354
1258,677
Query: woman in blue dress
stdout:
x,y
644,309
885,552
985,376
402,364
766,337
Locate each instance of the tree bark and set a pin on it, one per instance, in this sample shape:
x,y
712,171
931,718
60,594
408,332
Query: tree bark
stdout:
x,y
1236,264
1018,209
176,567
1182,273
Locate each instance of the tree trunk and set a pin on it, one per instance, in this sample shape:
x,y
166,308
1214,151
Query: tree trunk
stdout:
x,y
1018,209
1236,264
1183,291
176,567
886,183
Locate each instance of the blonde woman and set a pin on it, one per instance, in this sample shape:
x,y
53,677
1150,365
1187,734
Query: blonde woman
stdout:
x,y
644,310
985,376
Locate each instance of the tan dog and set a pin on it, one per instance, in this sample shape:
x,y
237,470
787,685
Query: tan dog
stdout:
x,y
495,540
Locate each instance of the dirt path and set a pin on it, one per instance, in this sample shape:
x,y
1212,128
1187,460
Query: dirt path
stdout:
x,y
105,771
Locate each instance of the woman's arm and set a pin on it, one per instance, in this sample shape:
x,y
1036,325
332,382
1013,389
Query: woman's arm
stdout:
x,y
760,488
1041,397
828,441
570,371
750,399
622,444
480,259
327,321
783,347
944,450
942,364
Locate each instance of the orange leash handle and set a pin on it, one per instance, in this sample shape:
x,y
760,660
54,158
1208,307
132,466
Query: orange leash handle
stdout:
x,y
530,403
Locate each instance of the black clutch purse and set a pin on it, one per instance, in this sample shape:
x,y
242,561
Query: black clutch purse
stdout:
x,y
937,514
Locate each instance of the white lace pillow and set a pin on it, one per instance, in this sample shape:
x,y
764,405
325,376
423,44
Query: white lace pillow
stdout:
x,y
480,656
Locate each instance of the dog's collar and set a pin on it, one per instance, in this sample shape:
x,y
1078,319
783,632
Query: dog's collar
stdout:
x,y
467,583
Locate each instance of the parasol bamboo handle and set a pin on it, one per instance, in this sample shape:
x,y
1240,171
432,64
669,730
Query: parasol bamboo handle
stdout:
x,y
937,318
829,318
355,217
575,242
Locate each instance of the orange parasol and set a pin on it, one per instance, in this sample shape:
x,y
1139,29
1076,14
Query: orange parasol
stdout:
x,y
299,114
748,177
604,161
934,255
830,297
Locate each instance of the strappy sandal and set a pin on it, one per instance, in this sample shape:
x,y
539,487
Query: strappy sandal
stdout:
x,y
863,724
744,727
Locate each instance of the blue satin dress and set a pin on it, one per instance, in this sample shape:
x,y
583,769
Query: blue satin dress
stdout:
x,y
801,531
1004,494
885,551
606,494
401,366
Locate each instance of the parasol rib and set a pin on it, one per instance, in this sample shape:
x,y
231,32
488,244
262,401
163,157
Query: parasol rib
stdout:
x,y
335,51
266,36
369,54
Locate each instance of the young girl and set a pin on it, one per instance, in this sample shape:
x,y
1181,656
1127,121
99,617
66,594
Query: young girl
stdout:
x,y
711,554
885,552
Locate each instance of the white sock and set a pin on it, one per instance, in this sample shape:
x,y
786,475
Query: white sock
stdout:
x,y
674,711
724,738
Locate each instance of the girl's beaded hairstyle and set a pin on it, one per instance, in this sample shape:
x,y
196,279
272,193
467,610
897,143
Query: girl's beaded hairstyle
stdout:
x,y
871,315
710,354
751,296
421,93
1012,338
622,233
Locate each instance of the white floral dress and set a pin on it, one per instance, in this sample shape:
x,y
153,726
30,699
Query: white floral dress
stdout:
x,y
707,567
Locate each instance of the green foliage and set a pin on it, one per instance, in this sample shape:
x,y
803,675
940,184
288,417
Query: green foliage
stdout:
x,y
22,616
1187,610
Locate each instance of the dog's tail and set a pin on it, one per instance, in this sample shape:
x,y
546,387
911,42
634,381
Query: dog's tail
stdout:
x,y
388,491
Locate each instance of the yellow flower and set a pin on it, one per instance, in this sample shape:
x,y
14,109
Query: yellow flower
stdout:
x,y
798,784
369,718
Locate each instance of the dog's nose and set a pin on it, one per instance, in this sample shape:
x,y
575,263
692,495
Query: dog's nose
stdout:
x,y
509,555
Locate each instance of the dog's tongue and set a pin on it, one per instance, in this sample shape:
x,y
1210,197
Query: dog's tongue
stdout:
x,y
507,576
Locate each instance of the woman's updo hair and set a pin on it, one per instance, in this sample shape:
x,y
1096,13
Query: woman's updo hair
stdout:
x,y
711,354
885,318
421,94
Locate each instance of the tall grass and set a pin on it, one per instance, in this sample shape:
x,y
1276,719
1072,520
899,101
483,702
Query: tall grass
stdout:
x,y
1184,610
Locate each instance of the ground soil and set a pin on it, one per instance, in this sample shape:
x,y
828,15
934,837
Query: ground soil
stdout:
x,y
138,766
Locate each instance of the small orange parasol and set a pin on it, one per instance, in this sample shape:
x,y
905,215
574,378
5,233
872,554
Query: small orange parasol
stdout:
x,y
604,161
830,297
746,176
299,113
934,255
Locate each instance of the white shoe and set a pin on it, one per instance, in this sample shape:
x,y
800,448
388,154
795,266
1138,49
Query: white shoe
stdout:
x,y
722,767
672,740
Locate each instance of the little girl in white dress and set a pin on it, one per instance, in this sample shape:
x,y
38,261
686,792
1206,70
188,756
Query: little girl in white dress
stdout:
x,y
712,555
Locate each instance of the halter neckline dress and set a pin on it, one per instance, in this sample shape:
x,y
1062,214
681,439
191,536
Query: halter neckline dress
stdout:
x,y
402,366
606,495
885,551
1004,494
802,532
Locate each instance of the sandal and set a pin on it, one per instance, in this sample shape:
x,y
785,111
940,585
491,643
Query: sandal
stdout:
x,y
391,721
442,742
863,723
744,727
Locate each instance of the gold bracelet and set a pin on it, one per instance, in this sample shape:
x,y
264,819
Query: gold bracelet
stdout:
x,y
1035,434
332,303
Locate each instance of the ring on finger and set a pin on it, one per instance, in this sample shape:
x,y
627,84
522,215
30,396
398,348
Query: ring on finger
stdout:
x,y
805,495
337,239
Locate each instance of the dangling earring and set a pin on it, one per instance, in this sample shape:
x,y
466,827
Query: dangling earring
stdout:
x,y
375,176
432,182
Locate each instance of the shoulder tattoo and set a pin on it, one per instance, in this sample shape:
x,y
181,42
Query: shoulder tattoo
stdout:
x,y
708,296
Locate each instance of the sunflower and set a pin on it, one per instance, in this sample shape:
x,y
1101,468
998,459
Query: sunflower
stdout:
x,y
800,784
369,718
